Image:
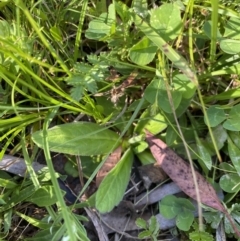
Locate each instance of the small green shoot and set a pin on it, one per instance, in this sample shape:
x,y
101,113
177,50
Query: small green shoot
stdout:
x,y
151,228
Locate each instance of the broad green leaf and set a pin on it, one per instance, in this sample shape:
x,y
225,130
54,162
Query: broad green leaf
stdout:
x,y
166,20
146,157
98,28
228,125
141,8
234,154
44,196
233,122
183,85
230,183
113,186
156,93
230,46
208,28
171,206
205,155
232,28
171,135
168,207
143,52
82,138
226,167
220,136
183,106
154,124
216,115
184,220
235,137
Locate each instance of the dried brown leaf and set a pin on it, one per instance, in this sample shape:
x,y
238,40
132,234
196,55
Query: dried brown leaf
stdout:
x,y
180,172
109,164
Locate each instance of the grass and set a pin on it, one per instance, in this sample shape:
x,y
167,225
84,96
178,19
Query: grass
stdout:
x,y
171,68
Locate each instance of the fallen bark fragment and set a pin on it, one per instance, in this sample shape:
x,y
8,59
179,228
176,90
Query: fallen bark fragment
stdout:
x,y
180,172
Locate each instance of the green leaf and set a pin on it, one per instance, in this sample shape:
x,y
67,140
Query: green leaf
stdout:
x,y
141,8
43,224
113,186
170,53
141,223
156,93
234,154
142,146
44,196
143,52
184,220
208,29
7,183
102,26
235,137
171,206
154,225
182,84
82,138
71,169
200,236
136,139
232,28
144,234
233,122
230,46
167,21
154,124
98,28
85,76
171,135
216,115
205,155
56,33
146,157
220,136
228,125
230,183
214,218
168,207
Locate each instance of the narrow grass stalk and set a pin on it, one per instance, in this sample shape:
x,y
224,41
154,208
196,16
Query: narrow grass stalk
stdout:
x,y
79,30
65,211
28,162
214,29
22,6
